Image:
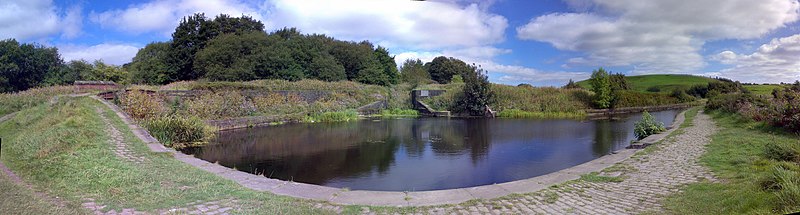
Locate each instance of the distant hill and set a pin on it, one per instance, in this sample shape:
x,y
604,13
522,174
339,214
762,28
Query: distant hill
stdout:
x,y
665,83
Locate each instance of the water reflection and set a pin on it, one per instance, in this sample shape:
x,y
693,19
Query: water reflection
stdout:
x,y
419,154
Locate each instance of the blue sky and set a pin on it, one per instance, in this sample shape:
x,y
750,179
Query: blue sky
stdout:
x,y
545,42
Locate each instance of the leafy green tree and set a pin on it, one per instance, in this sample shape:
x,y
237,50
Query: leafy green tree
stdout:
x,y
194,32
149,66
618,82
73,71
601,86
414,72
24,66
388,64
325,67
106,72
231,57
478,94
442,69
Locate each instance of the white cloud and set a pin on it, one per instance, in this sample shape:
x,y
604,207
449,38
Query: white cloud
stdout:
x,y
116,54
409,24
72,23
508,74
33,19
164,15
655,36
776,61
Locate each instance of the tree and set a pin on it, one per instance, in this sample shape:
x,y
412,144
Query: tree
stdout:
x,y
413,71
324,67
194,32
601,86
572,85
107,72
23,66
73,71
442,69
618,82
477,92
388,64
149,66
231,57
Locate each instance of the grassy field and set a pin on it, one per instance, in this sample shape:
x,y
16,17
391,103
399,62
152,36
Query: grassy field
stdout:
x,y
18,199
738,157
763,89
62,147
666,83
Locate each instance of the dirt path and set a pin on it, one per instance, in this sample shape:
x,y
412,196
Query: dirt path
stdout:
x,y
647,179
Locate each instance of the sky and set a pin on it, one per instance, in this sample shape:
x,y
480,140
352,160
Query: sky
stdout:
x,y
541,42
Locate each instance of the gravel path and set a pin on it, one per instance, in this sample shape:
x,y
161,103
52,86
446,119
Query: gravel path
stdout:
x,y
646,179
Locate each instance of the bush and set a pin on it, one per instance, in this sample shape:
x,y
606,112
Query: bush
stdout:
x,y
628,98
647,126
731,103
223,104
140,105
179,132
783,151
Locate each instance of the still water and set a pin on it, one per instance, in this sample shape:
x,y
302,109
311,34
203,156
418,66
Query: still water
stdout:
x,y
418,154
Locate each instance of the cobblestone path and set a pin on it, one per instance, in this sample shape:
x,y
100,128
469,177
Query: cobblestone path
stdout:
x,y
646,180
117,141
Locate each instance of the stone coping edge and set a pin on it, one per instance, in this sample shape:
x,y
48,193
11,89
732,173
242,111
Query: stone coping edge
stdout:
x,y
391,198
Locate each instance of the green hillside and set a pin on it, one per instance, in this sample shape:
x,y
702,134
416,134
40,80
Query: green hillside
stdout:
x,y
666,83
763,89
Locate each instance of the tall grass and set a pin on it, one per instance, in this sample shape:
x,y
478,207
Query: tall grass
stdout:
x,y
537,102
12,102
338,116
515,113
399,112
179,132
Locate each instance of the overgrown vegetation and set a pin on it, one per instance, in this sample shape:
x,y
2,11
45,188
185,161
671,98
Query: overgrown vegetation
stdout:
x,y
179,132
64,148
12,102
782,110
338,116
647,126
751,160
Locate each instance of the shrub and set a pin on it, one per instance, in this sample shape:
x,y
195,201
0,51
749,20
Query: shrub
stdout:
x,y
783,151
628,98
647,126
477,94
654,89
222,104
178,132
140,105
729,102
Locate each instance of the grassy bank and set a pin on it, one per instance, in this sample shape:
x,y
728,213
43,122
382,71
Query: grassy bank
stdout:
x,y
742,155
62,147
663,83
12,102
18,199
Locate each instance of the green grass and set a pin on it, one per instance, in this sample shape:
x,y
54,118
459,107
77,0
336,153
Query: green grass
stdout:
x,y
514,113
737,156
666,82
63,148
596,177
763,89
397,112
18,199
336,116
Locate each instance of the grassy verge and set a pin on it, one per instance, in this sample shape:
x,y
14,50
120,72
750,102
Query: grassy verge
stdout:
x,y
18,199
751,182
398,112
514,113
336,116
62,147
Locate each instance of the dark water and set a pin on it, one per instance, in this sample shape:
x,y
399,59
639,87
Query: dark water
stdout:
x,y
420,154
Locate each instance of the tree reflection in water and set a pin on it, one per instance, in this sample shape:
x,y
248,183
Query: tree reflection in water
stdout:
x,y
418,154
